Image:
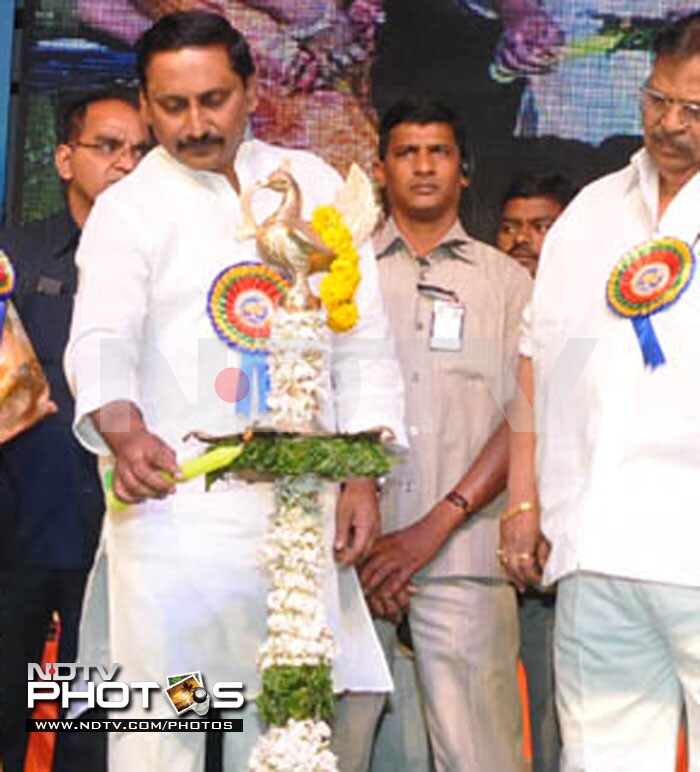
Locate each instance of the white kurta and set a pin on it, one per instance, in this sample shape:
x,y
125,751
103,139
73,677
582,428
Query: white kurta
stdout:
x,y
184,585
618,444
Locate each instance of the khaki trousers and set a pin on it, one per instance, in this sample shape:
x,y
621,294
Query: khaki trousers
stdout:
x,y
379,732
465,635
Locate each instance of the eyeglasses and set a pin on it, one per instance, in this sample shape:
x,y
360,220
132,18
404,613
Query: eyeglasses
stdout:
x,y
658,103
115,149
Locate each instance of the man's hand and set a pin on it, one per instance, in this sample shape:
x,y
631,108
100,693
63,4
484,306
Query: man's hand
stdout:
x,y
145,466
397,556
523,549
357,521
391,607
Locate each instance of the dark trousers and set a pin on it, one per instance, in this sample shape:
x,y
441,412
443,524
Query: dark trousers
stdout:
x,y
28,598
536,612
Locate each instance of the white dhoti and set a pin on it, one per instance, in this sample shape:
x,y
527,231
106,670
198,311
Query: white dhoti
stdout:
x,y
183,591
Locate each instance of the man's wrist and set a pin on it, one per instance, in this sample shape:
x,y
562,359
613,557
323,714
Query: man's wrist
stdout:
x,y
445,517
523,506
118,423
460,502
360,483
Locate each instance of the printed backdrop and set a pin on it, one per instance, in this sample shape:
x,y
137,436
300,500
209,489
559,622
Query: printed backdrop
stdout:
x,y
560,93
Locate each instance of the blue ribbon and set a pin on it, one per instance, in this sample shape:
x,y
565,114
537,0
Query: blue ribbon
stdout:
x,y
651,350
254,365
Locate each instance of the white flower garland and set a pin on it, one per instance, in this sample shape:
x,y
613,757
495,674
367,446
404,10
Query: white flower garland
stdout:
x,y
298,364
298,746
297,692
295,553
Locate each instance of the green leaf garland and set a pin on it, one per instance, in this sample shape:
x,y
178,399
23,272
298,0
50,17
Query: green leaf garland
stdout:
x,y
335,458
296,693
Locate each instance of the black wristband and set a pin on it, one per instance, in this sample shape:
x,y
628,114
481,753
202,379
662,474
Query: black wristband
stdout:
x,y
456,498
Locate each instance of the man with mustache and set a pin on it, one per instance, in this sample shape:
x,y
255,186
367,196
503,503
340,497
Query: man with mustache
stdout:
x,y
454,304
185,586
530,206
612,513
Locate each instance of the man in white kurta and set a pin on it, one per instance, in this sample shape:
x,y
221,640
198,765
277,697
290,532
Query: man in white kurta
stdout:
x,y
184,589
618,445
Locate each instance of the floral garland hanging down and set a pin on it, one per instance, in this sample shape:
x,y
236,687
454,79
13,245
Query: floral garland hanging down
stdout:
x,y
289,331
296,701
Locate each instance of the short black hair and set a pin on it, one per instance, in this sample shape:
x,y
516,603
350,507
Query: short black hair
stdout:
x,y
422,112
530,185
187,29
71,112
680,37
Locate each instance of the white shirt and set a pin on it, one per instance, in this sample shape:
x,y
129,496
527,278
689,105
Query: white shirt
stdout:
x,y
618,444
183,583
148,255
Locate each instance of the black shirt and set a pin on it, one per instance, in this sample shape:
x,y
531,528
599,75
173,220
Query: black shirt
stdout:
x,y
50,495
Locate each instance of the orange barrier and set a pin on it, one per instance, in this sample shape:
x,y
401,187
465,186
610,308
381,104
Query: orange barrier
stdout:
x,y
527,729
682,759
41,744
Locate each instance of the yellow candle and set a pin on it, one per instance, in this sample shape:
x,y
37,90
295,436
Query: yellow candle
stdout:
x,y
214,459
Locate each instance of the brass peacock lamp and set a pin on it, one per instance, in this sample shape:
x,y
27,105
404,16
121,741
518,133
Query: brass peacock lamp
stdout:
x,y
286,241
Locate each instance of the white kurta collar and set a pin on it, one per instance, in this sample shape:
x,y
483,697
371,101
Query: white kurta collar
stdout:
x,y
682,216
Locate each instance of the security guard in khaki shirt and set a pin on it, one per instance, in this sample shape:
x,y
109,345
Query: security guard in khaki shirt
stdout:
x,y
455,305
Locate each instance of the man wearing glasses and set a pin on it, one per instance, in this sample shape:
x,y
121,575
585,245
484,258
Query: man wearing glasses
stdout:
x,y
50,495
454,304
611,355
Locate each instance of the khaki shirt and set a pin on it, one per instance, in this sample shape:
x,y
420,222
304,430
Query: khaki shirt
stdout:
x,y
454,399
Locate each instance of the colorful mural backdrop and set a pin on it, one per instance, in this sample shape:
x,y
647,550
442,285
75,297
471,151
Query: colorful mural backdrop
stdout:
x,y
553,87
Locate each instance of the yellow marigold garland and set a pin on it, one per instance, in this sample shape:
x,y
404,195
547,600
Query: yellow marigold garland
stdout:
x,y
339,284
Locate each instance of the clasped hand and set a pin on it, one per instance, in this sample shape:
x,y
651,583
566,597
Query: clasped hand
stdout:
x,y
395,558
523,549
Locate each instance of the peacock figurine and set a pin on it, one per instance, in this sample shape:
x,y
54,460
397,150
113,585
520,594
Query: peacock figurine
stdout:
x,y
289,243
286,241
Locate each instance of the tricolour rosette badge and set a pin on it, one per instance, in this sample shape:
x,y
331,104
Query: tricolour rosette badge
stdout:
x,y
648,279
7,286
240,305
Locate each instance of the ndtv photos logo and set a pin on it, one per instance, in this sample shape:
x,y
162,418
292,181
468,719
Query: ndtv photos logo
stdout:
x,y
95,686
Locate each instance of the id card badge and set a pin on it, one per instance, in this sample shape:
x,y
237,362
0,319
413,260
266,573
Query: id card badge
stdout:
x,y
446,326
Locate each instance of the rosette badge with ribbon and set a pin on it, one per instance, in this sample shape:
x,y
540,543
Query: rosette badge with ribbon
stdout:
x,y
253,307
7,286
648,279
